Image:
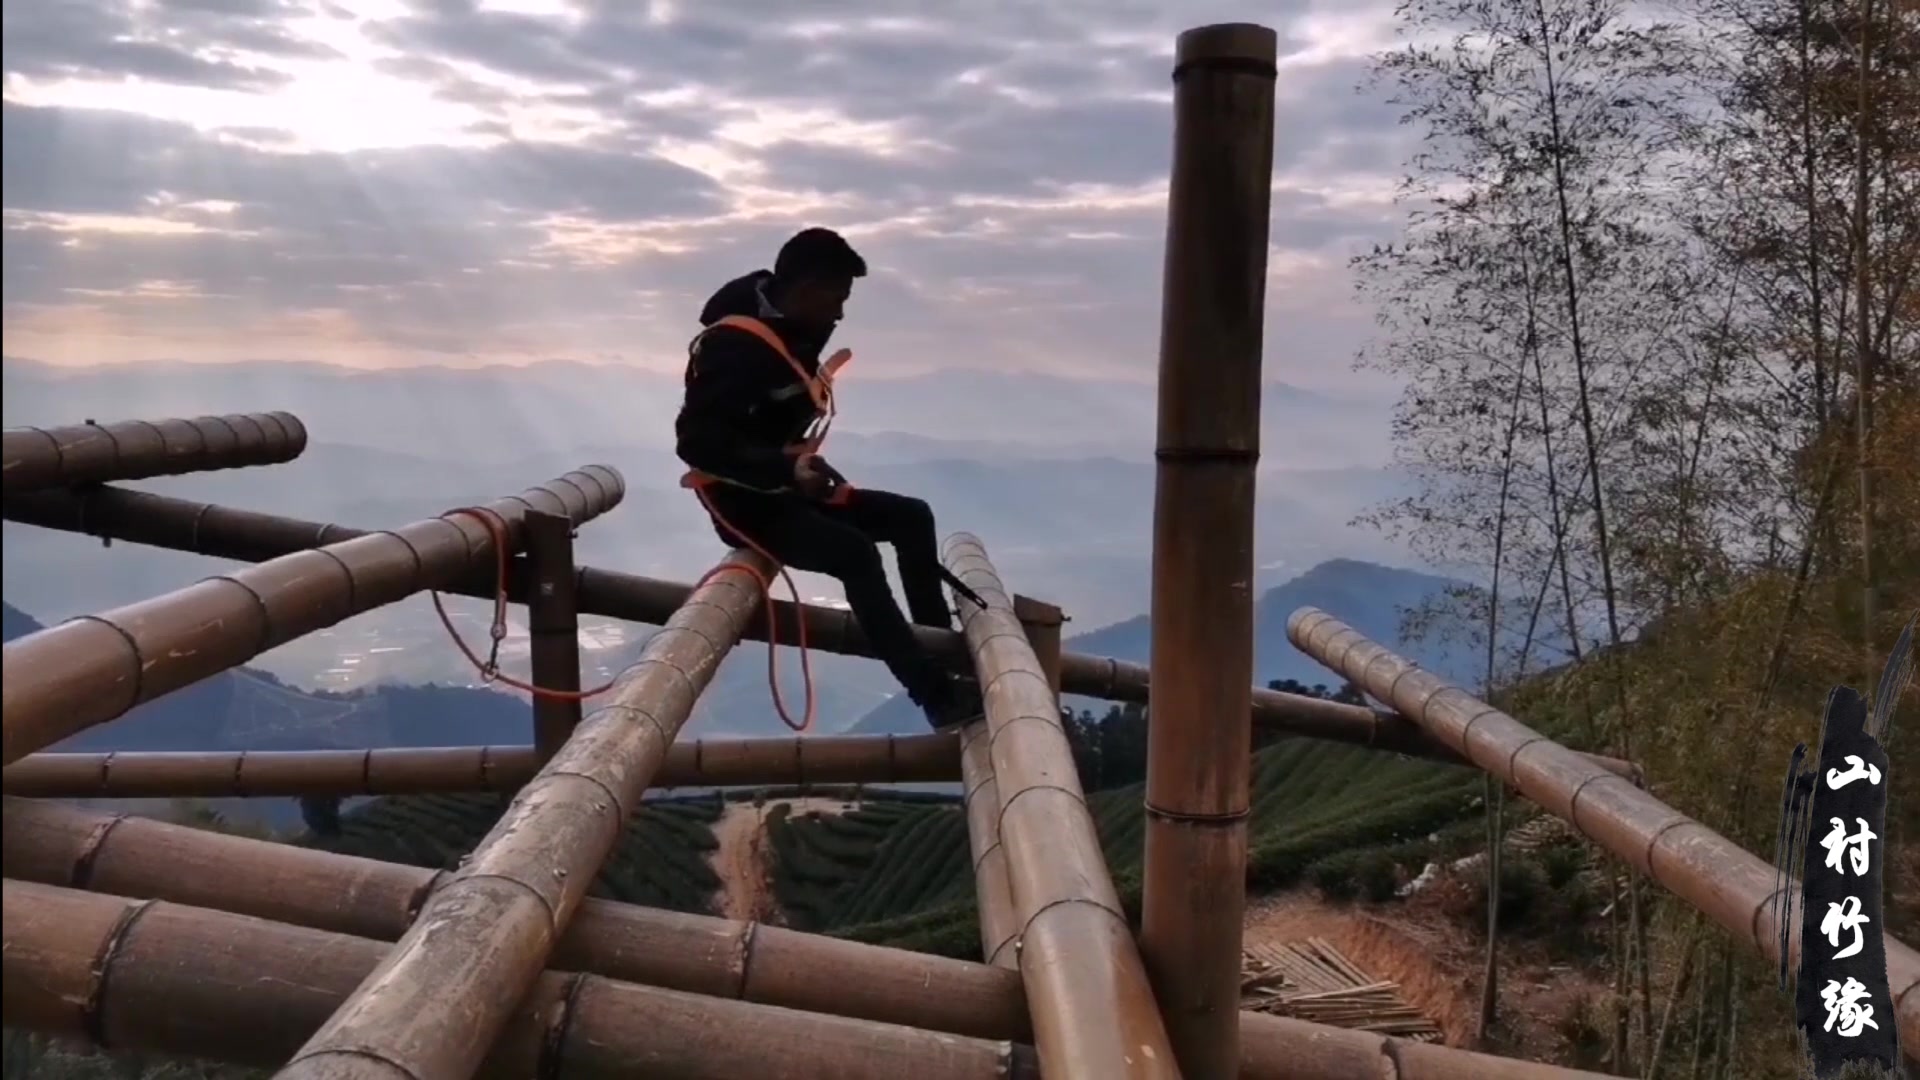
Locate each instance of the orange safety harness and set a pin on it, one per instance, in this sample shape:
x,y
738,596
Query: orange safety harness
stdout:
x,y
820,388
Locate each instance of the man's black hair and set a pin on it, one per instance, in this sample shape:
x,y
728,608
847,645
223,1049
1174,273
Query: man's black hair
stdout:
x,y
817,253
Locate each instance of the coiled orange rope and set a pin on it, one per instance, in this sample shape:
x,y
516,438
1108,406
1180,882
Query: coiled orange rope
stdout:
x,y
489,668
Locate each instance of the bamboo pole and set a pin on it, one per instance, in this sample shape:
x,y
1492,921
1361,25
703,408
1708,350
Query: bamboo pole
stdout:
x,y
1199,734
1728,884
133,856
699,954
138,517
993,895
33,458
443,994
1093,1011
218,774
553,624
84,672
153,975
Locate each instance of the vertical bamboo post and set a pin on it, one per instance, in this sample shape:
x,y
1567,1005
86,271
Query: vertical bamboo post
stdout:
x,y
1043,622
553,624
1199,727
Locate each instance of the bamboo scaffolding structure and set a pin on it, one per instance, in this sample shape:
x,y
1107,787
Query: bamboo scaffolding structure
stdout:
x,y
553,625
137,517
84,672
992,891
1728,884
481,940
159,976
1093,1011
33,458
134,856
219,774
699,954
1199,731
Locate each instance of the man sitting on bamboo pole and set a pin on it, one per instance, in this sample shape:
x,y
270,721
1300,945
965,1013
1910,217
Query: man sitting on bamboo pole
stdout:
x,y
759,401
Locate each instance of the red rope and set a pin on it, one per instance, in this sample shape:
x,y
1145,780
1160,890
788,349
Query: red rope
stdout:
x,y
489,669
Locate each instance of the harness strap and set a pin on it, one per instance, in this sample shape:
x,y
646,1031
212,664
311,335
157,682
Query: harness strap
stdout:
x,y
819,388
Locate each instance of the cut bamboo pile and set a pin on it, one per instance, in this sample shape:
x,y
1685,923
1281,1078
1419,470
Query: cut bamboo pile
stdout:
x,y
1310,980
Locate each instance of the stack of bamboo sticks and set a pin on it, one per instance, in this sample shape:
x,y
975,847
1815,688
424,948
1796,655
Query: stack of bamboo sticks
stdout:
x,y
1312,981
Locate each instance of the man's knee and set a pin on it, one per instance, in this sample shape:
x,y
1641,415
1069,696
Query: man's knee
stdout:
x,y
855,558
909,518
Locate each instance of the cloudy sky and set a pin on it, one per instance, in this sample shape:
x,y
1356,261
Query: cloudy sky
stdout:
x,y
392,182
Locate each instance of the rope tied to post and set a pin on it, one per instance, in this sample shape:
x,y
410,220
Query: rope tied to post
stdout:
x,y
489,668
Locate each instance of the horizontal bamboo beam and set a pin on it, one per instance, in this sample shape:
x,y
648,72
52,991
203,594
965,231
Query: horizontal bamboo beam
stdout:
x,y
1724,881
33,458
828,759
481,940
164,977
1094,1013
53,844
84,672
138,517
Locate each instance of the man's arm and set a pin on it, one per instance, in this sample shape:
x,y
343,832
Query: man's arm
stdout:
x,y
729,375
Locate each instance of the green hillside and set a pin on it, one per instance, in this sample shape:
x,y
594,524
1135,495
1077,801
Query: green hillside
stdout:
x,y
661,861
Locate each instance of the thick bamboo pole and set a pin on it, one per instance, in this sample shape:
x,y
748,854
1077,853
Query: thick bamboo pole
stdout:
x,y
32,458
86,671
1728,884
776,760
1199,734
1093,1011
133,856
993,893
137,517
553,624
158,976
445,991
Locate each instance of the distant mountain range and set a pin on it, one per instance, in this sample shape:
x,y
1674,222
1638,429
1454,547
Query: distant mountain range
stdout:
x,y
497,415
1369,597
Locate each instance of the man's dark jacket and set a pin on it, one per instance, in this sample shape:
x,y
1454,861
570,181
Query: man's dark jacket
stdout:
x,y
745,404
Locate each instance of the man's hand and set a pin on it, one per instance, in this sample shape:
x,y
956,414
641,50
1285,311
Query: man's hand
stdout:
x,y
813,475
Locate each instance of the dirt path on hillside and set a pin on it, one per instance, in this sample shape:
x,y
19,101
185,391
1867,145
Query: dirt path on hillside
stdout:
x,y
744,864
743,859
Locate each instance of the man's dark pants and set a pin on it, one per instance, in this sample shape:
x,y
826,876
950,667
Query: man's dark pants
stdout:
x,y
843,543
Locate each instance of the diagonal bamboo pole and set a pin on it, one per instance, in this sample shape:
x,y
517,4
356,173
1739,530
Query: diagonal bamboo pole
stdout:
x,y
1199,752
778,760
166,977
133,856
138,517
1094,1013
1728,884
32,458
445,991
64,679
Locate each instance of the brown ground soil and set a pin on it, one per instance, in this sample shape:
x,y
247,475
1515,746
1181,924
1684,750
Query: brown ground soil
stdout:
x,y
1420,944
744,862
